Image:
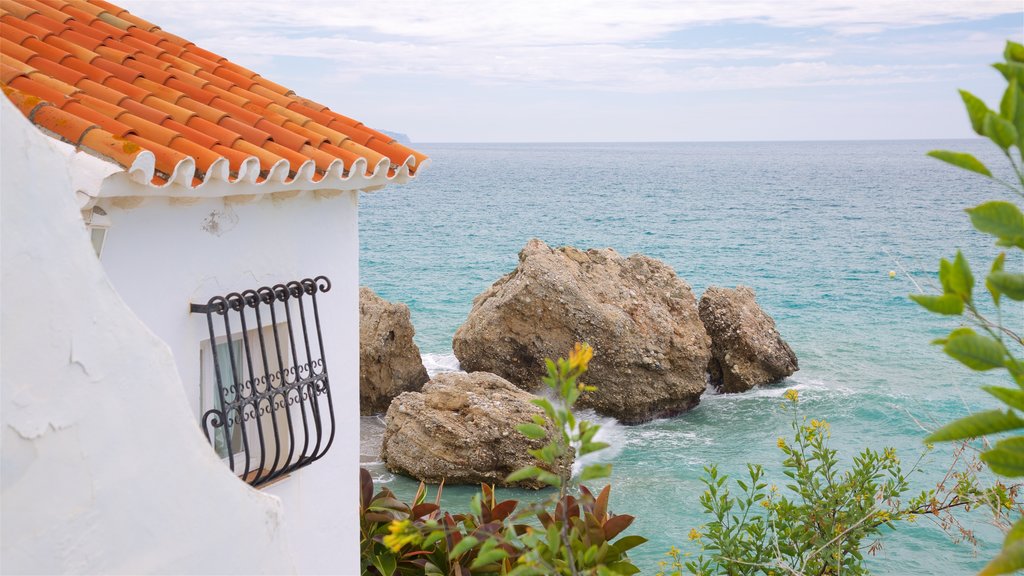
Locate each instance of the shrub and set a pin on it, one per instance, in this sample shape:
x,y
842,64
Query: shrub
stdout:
x,y
821,520
571,533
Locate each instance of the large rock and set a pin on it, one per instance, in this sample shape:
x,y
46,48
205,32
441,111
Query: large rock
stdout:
x,y
461,428
389,361
746,348
650,349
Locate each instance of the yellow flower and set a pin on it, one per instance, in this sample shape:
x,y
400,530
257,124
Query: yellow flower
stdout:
x,y
694,535
792,395
580,356
781,442
401,533
766,503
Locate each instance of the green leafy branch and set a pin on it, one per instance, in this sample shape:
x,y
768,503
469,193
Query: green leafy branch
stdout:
x,y
990,349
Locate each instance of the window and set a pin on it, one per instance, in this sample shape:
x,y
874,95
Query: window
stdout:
x,y
97,222
227,439
265,394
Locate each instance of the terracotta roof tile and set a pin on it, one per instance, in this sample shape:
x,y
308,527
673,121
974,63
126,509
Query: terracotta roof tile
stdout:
x,y
65,124
103,79
223,135
107,123
41,8
141,110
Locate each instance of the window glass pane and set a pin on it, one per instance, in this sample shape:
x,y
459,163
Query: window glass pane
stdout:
x,y
227,378
97,235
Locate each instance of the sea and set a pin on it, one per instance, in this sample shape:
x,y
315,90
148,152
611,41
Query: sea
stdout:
x,y
814,227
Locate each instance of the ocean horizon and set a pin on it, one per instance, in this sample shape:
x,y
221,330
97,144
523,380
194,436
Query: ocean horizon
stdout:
x,y
814,227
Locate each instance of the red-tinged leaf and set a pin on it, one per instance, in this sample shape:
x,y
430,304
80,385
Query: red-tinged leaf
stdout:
x,y
545,519
601,506
421,510
378,517
421,493
502,510
365,488
616,524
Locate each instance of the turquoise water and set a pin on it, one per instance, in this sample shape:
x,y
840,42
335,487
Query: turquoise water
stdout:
x,y
811,226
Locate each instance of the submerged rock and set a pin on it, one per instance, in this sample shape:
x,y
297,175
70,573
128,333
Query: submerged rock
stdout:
x,y
389,360
461,428
650,348
746,348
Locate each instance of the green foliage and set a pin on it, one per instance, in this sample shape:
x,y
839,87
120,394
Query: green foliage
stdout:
x,y
571,533
991,349
823,519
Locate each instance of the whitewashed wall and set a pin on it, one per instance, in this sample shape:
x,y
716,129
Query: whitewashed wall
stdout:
x,y
105,469
163,255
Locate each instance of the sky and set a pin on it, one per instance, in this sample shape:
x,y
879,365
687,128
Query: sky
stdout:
x,y
619,70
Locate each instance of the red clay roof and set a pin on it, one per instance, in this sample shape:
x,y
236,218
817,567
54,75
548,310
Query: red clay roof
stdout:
x,y
102,79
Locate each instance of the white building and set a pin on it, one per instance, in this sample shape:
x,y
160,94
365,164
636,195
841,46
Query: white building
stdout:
x,y
223,209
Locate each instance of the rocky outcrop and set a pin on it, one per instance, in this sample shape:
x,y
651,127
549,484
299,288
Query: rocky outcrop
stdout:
x,y
650,349
389,361
746,348
461,428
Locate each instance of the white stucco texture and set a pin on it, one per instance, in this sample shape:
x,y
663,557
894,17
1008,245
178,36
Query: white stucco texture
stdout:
x,y
162,255
104,469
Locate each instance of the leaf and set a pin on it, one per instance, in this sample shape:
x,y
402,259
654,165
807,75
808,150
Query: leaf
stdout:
x,y
975,351
1007,458
999,130
595,471
546,406
997,266
532,431
1013,397
1011,70
432,539
628,543
502,510
549,479
601,503
489,557
592,447
465,545
976,110
976,425
1012,285
961,160
615,525
386,564
1003,220
523,474
421,510
1016,531
948,304
623,568
961,281
1009,560
1008,105
365,488
1013,52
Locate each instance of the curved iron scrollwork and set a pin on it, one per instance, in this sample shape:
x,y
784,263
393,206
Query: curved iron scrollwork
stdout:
x,y
274,396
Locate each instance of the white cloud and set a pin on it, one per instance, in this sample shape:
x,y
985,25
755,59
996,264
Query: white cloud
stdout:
x,y
567,51
602,44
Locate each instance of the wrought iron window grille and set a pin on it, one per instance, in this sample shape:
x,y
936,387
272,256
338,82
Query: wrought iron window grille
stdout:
x,y
273,395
